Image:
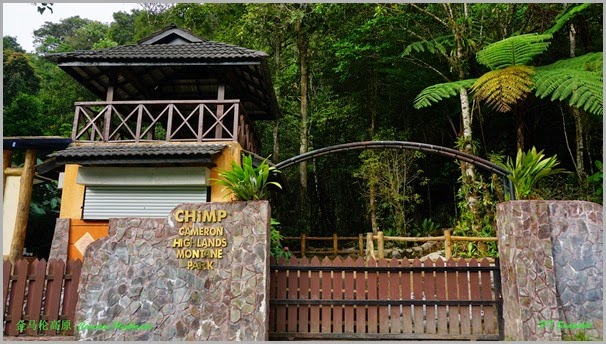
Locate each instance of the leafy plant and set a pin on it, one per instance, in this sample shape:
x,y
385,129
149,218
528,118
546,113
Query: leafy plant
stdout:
x,y
528,169
597,180
276,248
426,227
246,182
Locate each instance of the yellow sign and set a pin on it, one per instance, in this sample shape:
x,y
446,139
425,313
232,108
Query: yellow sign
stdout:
x,y
200,242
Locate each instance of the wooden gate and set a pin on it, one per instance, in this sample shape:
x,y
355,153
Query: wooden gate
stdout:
x,y
385,299
39,299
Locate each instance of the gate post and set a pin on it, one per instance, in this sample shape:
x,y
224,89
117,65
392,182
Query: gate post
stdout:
x,y
551,269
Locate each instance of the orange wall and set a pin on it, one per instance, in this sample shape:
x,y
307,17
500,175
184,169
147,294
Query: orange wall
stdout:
x,y
97,229
72,196
230,153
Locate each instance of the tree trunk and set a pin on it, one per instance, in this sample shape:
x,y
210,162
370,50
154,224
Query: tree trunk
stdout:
x,y
374,222
302,47
578,120
519,130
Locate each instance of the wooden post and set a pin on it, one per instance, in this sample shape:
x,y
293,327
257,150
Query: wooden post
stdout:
x,y
370,247
361,244
335,244
302,245
25,197
7,158
220,96
380,245
108,113
447,244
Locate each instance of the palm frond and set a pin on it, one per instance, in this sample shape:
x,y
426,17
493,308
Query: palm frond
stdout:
x,y
516,50
437,92
580,88
502,88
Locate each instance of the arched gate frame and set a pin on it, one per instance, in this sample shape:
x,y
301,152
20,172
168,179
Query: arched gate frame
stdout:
x,y
423,147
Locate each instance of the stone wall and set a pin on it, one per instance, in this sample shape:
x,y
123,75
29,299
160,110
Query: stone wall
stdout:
x,y
551,268
60,240
133,277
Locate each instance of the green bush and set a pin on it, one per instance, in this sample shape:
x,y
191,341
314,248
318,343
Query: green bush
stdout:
x,y
528,169
246,182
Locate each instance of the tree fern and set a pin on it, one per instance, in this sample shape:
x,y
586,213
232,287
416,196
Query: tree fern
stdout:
x,y
563,19
437,92
578,80
502,88
439,44
516,50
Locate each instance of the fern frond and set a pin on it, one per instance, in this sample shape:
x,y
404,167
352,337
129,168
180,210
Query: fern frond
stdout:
x,y
563,19
589,62
502,88
437,92
516,50
582,89
437,44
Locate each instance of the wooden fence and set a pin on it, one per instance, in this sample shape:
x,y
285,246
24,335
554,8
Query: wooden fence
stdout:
x,y
385,299
40,298
380,238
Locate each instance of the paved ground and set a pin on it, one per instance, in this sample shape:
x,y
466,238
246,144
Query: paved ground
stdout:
x,y
40,338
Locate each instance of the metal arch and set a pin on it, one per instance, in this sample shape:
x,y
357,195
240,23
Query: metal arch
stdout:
x,y
423,147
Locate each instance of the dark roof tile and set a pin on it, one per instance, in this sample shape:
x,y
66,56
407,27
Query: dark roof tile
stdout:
x,y
108,150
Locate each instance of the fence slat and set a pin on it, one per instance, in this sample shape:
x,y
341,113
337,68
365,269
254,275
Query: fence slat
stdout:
x,y
453,311
463,282
52,301
70,296
337,290
372,295
487,294
7,268
417,285
441,295
304,294
37,269
406,295
314,319
394,294
349,295
17,296
281,294
360,295
326,295
474,290
429,283
273,295
292,294
383,285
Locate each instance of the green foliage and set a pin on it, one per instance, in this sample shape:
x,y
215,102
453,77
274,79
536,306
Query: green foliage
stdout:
x,y
528,169
437,92
578,79
439,44
597,180
23,117
425,228
246,182
563,18
503,88
19,76
516,50
276,249
46,200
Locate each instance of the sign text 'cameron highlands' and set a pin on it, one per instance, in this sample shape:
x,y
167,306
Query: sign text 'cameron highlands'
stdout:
x,y
201,238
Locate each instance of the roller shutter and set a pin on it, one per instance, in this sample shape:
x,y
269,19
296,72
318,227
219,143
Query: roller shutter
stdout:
x,y
102,202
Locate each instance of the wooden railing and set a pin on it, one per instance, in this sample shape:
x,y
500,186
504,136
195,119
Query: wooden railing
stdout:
x,y
39,299
164,120
380,238
385,299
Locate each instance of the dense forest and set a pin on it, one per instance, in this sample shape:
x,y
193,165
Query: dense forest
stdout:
x,y
360,72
